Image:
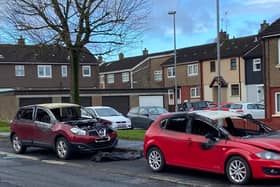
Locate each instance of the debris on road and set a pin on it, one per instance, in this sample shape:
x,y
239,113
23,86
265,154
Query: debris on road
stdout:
x,y
116,156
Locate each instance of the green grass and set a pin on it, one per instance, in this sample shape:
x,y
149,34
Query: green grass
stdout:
x,y
135,134
4,126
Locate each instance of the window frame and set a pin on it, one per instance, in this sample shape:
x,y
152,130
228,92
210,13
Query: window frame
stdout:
x,y
212,66
231,88
84,68
158,75
276,101
256,61
192,70
19,70
64,71
196,91
170,72
233,68
45,75
278,51
111,78
125,77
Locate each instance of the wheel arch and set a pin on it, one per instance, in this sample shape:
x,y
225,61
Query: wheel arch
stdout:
x,y
237,155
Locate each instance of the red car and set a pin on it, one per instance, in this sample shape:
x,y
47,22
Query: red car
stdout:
x,y
214,141
62,127
225,107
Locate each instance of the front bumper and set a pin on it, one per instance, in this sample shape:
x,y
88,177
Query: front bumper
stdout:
x,y
94,146
265,169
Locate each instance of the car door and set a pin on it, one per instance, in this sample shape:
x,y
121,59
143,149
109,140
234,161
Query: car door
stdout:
x,y
24,125
43,125
174,140
204,154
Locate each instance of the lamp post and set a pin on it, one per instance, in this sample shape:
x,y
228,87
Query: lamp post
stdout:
x,y
218,56
173,13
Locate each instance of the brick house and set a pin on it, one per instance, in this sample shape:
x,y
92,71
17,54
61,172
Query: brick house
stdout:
x,y
27,71
271,55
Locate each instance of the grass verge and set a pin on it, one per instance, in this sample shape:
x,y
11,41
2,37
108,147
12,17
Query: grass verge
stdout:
x,y
134,134
4,126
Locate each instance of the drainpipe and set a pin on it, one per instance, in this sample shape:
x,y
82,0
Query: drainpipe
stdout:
x,y
239,76
131,79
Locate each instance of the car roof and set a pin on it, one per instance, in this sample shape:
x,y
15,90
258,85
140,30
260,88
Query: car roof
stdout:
x,y
96,107
55,105
215,115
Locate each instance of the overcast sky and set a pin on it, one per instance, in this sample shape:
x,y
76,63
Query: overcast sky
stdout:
x,y
196,22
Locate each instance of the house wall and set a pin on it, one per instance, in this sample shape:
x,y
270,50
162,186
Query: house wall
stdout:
x,y
255,93
182,78
8,107
31,80
230,76
253,77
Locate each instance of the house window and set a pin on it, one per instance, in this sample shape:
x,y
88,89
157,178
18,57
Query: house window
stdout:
x,y
125,77
233,64
110,78
102,81
195,92
171,97
63,71
212,66
44,71
170,72
277,102
158,75
86,71
192,70
234,90
19,69
257,64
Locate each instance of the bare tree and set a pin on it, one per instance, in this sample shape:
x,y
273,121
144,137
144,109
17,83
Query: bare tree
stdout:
x,y
103,25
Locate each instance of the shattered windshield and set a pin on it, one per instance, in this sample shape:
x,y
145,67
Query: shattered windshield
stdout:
x,y
246,127
70,113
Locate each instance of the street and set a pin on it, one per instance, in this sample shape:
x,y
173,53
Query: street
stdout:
x,y
39,167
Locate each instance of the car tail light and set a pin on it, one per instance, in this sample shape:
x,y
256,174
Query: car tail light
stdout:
x,y
239,111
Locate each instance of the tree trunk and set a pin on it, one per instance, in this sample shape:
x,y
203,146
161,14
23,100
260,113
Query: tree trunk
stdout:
x,y
75,63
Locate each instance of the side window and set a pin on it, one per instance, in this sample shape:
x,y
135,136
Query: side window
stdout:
x,y
202,128
43,116
26,114
143,111
178,124
251,106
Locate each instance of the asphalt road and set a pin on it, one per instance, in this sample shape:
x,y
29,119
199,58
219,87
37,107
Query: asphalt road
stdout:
x,y
40,167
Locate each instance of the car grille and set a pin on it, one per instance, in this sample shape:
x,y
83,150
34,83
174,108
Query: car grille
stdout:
x,y
101,144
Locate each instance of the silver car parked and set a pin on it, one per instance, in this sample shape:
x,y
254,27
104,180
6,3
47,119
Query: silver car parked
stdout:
x,y
255,110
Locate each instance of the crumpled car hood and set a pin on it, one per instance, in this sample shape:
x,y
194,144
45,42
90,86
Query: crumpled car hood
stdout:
x,y
271,142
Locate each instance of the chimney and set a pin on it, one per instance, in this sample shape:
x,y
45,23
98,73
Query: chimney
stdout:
x,y
99,59
263,26
145,52
121,56
21,41
223,36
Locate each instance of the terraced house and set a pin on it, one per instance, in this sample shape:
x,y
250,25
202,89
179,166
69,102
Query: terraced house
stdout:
x,y
271,56
32,74
134,81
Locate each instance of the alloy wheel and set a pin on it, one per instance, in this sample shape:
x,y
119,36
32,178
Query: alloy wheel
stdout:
x,y
238,170
62,148
17,145
155,159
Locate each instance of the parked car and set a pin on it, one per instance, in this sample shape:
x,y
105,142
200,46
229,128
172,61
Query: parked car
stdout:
x,y
224,106
241,149
254,110
118,121
143,116
197,105
60,126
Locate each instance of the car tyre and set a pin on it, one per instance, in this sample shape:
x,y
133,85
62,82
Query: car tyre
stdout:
x,y
238,170
155,159
18,147
62,148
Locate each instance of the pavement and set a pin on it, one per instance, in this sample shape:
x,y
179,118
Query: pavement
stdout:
x,y
136,145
